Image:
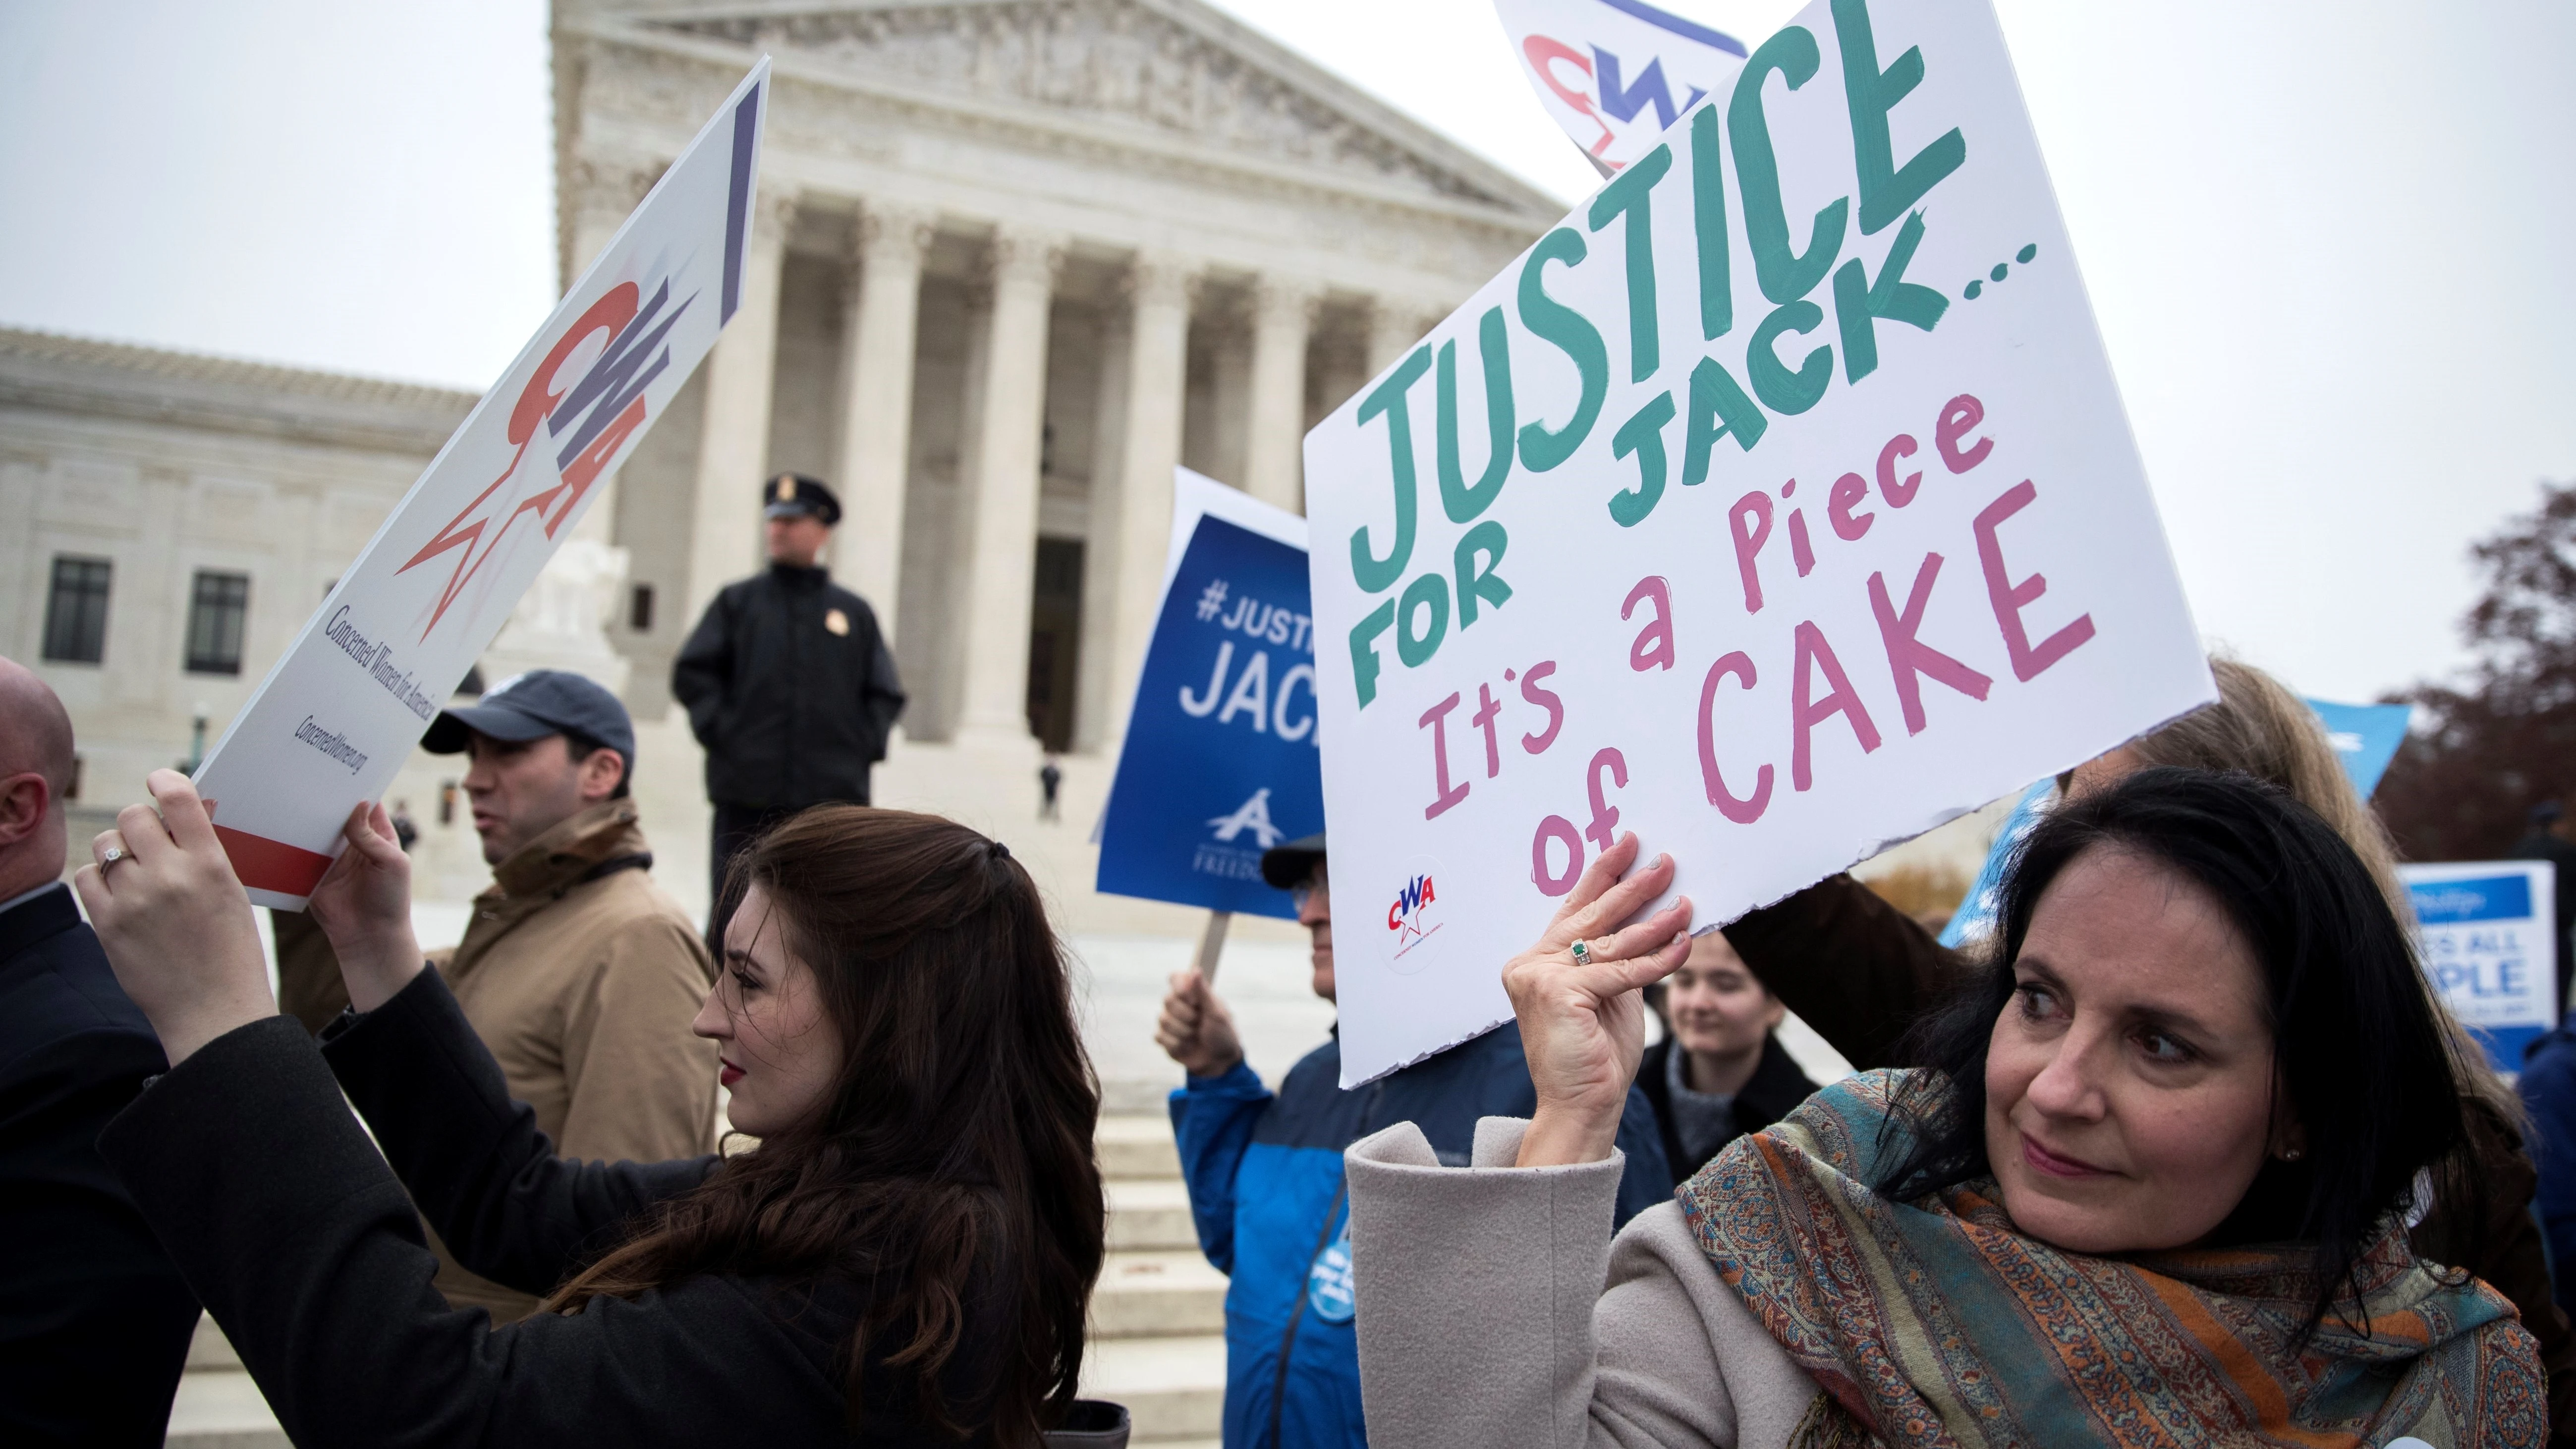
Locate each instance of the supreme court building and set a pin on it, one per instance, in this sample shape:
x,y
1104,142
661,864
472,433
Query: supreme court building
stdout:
x,y
1012,261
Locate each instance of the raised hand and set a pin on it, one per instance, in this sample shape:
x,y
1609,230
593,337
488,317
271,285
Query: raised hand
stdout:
x,y
1583,1023
1196,1029
364,906
171,914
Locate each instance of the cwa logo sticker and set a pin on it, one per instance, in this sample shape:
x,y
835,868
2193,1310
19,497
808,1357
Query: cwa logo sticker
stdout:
x,y
1414,917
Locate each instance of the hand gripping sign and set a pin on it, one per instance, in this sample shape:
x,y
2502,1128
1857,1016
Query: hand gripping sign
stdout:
x,y
351,696
1778,505
1617,73
1219,762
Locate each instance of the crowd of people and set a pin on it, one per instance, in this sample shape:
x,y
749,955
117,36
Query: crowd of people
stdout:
x,y
2185,1151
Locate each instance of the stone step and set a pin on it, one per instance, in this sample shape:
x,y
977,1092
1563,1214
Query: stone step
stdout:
x,y
208,1348
1174,1387
1134,1147
1149,1213
217,1406
1157,1295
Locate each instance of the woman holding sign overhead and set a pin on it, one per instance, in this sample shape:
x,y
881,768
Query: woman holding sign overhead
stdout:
x,y
2148,1186
904,1258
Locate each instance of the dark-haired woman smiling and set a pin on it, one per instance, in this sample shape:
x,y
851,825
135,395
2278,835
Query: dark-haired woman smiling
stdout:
x,y
2148,1189
904,1259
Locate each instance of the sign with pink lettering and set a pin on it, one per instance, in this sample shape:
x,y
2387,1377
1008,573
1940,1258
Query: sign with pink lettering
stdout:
x,y
1778,505
344,705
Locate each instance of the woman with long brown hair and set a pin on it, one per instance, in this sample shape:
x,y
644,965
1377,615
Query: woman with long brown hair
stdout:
x,y
904,1258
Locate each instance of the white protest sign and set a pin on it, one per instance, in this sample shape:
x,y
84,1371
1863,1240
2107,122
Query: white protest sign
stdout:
x,y
1778,505
334,719
1616,73
2488,932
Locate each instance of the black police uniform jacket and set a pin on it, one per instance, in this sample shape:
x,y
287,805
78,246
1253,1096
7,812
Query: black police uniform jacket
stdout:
x,y
791,689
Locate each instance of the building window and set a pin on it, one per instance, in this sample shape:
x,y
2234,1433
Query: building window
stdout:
x,y
216,612
639,609
76,611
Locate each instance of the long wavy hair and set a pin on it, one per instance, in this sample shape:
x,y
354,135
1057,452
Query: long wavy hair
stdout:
x,y
949,1174
2357,1047
2260,727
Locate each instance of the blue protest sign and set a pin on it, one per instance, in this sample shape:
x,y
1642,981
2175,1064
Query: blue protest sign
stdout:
x,y
1977,909
2487,933
2365,737
1219,762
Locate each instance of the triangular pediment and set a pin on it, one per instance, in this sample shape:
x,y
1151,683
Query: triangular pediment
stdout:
x,y
1177,67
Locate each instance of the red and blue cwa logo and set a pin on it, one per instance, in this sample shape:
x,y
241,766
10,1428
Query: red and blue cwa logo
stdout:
x,y
591,383
1414,916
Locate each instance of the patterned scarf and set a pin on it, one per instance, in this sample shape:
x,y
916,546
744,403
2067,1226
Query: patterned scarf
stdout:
x,y
1935,1322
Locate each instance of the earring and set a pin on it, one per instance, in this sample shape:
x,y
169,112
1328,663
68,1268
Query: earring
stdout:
x,y
2293,1154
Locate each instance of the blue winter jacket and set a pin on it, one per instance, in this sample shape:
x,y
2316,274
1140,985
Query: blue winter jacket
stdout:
x,y
2548,1088
1265,1180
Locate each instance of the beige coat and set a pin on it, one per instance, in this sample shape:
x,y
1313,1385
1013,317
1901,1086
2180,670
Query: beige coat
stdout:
x,y
1497,1312
582,978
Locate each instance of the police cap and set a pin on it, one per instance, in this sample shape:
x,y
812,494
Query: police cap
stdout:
x,y
799,495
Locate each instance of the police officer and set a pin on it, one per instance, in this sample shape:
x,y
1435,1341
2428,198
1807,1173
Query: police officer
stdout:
x,y
788,683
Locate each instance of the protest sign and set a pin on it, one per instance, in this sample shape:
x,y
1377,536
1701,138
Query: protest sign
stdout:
x,y
1775,543
1616,73
1219,761
352,695
2365,737
1976,913
2488,932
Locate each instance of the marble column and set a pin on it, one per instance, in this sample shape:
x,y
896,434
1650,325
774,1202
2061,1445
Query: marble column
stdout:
x,y
1158,347
1283,313
1001,503
1395,324
876,407
733,439
1095,673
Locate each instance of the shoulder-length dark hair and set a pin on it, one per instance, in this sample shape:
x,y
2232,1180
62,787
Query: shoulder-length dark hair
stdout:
x,y
2355,1044
949,1175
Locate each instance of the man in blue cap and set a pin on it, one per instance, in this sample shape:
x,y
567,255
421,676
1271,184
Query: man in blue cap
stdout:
x,y
1264,1172
788,683
576,970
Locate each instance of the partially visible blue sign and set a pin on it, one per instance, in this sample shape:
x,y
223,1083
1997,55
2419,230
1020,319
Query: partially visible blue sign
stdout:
x,y
1220,761
2487,932
1976,913
2365,737
2488,898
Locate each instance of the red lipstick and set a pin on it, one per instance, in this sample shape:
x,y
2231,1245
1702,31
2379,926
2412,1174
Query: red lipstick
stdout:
x,y
2053,1164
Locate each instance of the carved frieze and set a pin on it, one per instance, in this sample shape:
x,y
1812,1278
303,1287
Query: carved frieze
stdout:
x,y
1097,57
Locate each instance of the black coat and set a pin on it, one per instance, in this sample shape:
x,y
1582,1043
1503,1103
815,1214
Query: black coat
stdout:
x,y
792,711
307,1251
1775,1087
94,1319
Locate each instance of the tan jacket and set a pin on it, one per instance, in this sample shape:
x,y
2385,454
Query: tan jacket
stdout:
x,y
582,978
1496,1312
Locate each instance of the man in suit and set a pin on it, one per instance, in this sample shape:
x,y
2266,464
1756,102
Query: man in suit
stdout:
x,y
787,681
94,1321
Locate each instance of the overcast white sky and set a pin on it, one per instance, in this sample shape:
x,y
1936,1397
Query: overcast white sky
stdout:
x,y
2329,241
